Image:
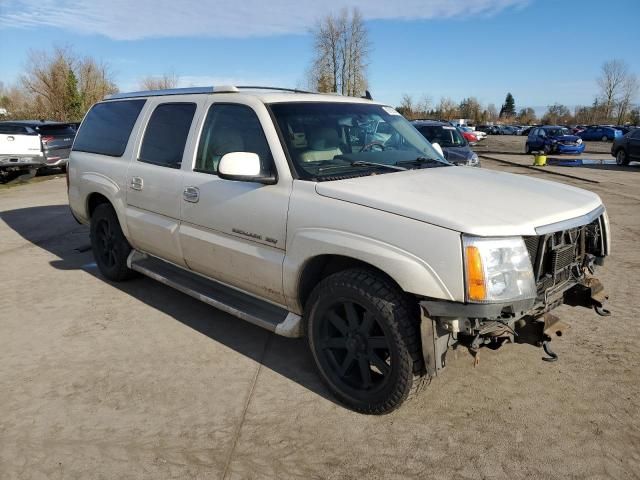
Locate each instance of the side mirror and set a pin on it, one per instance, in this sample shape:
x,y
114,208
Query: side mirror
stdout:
x,y
438,148
243,167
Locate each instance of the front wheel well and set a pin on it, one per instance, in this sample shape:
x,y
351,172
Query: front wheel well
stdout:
x,y
320,267
94,200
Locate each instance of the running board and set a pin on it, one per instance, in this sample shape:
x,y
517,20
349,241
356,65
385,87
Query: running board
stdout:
x,y
234,302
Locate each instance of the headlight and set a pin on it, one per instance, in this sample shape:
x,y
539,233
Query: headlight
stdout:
x,y
579,141
474,159
497,269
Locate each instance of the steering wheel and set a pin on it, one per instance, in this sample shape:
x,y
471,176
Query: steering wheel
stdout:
x,y
369,146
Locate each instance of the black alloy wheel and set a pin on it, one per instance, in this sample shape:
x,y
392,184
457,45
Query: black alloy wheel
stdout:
x,y
364,335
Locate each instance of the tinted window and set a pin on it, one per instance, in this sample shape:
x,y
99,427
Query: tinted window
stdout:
x,y
231,128
166,134
107,127
56,130
635,133
9,129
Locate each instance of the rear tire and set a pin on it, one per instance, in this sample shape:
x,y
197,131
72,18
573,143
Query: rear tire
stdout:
x,y
621,158
527,148
364,336
109,245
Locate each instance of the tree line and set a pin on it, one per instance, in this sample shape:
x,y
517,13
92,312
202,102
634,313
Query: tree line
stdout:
x,y
614,104
61,85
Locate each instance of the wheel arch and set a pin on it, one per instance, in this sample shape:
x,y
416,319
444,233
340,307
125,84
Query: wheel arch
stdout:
x,y
320,267
313,255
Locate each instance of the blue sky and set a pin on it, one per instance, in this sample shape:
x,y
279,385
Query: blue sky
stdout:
x,y
543,51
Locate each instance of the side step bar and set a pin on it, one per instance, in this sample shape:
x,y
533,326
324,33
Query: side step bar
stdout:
x,y
222,297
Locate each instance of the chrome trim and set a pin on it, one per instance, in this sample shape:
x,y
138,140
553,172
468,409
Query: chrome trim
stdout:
x,y
173,91
571,222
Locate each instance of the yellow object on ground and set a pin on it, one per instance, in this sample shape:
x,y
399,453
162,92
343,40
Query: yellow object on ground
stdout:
x,y
540,160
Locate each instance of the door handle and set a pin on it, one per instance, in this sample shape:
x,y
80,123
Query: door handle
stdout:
x,y
136,183
191,194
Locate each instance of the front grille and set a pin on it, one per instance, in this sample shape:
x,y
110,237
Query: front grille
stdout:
x,y
558,258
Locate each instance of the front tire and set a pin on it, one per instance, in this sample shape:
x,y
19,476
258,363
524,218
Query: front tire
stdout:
x,y
605,139
621,158
109,245
364,336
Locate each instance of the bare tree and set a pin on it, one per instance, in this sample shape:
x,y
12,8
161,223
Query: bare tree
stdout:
x,y
60,86
341,51
167,80
46,80
611,82
557,114
94,81
447,109
628,93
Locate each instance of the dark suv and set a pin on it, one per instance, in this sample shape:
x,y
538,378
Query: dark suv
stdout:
x,y
454,147
627,149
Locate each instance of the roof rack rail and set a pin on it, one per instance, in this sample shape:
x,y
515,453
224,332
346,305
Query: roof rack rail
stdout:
x,y
173,91
279,89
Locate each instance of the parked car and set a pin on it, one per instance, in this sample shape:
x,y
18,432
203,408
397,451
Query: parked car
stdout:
x,y
603,134
278,208
468,134
480,135
454,146
20,150
509,130
553,139
627,148
55,139
525,131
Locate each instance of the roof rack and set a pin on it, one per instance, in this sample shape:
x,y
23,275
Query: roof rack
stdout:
x,y
194,90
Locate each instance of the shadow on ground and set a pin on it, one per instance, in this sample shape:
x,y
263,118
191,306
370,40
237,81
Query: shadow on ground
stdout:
x,y
52,228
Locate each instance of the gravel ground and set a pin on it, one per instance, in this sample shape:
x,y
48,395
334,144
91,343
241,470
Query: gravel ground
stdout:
x,y
135,380
515,144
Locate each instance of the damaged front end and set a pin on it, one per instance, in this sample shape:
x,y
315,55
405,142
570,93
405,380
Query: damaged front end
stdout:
x,y
563,258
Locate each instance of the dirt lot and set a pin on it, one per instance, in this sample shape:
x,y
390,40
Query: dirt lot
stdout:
x,y
136,380
515,144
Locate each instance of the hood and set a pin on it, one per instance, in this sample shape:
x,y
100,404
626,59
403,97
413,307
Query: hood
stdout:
x,y
457,154
468,200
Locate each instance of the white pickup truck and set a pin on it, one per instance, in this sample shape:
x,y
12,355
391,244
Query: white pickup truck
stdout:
x,y
20,149
284,209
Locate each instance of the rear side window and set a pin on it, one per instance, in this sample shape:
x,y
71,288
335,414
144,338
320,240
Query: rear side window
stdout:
x,y
11,129
107,127
166,134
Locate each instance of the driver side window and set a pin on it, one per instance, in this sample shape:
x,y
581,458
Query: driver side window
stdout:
x,y
231,128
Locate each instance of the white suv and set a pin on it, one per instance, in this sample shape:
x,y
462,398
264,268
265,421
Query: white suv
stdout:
x,y
288,210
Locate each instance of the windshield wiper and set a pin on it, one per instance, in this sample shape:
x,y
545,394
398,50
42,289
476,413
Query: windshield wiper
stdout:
x,y
422,161
362,163
359,163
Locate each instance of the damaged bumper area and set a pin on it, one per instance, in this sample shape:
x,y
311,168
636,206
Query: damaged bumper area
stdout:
x,y
563,263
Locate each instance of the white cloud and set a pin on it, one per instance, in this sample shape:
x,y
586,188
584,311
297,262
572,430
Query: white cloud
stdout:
x,y
136,19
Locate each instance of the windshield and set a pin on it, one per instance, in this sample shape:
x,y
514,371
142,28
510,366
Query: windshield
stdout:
x,y
557,132
328,140
445,136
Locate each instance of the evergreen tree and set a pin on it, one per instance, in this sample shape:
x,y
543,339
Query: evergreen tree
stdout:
x,y
73,99
508,107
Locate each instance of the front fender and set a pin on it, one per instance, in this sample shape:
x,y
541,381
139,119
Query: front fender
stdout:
x,y
411,273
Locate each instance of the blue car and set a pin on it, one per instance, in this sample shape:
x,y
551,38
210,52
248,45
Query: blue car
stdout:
x,y
604,134
550,139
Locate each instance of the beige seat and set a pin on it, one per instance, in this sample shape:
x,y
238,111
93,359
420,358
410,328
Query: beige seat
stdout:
x,y
324,145
226,140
